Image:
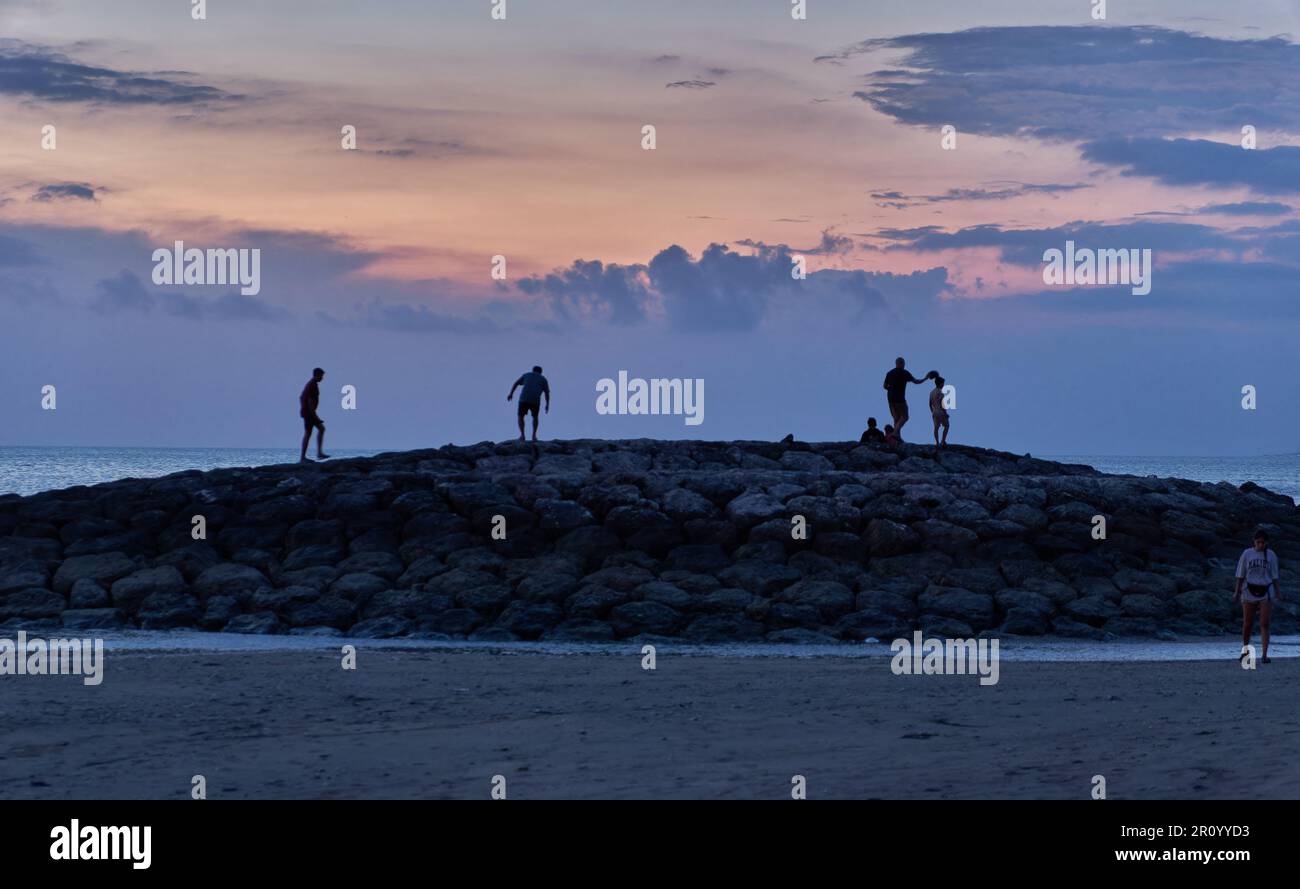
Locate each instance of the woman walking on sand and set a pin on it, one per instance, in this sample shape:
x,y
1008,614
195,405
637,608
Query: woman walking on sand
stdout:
x,y
1257,570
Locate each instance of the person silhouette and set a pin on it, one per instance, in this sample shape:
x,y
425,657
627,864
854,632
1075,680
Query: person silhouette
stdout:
x,y
938,412
308,402
534,387
1257,571
871,435
896,386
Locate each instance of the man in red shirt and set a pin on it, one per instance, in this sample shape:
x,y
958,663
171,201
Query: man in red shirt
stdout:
x,y
308,401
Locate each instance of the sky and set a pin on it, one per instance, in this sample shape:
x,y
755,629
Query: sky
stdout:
x,y
777,140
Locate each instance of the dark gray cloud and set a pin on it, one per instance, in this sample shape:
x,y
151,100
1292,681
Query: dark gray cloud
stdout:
x,y
995,192
591,289
829,245
722,290
57,191
405,149
1025,247
1201,162
1084,82
126,294
690,84
44,74
1247,208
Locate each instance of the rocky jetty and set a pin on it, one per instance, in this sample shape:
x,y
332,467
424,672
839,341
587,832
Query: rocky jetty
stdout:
x,y
604,540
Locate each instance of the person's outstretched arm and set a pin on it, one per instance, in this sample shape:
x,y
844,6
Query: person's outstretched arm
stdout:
x,y
546,390
517,384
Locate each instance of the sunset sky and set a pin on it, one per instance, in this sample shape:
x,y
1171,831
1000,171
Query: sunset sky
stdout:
x,y
775,138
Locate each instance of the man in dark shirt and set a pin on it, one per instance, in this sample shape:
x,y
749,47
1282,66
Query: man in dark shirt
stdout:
x,y
308,401
896,385
530,399
872,435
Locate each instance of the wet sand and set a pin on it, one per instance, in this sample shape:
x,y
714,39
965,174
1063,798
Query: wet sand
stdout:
x,y
440,724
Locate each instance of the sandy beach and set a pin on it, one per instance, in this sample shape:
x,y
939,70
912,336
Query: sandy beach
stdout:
x,y
440,724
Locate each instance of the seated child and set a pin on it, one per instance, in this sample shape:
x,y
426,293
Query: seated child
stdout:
x,y
871,435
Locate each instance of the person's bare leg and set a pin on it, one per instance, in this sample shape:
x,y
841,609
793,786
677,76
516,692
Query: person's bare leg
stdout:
x,y
897,416
320,444
534,427
1265,612
944,443
521,427
306,440
1247,622
936,433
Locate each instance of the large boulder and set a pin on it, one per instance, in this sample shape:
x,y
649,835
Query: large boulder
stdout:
x,y
103,568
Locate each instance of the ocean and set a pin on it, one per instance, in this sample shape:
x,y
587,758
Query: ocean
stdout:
x,y
28,470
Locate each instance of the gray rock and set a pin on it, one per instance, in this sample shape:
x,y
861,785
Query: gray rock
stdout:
x,y
725,601
723,628
529,620
620,578
682,505
946,537
130,591
561,516
748,510
229,580
887,538
457,621
1092,610
418,605
943,626
380,628
262,624
698,559
93,619
1025,601
1024,622
1145,606
580,630
665,593
975,609
25,575
379,564
219,611
830,599
103,568
359,586
632,618
1130,581
33,603
759,577
86,594
1064,626
166,610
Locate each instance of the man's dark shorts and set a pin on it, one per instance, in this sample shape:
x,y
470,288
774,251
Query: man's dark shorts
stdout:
x,y
310,423
529,407
898,409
